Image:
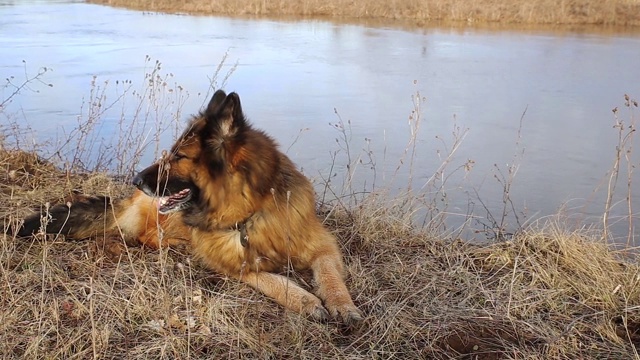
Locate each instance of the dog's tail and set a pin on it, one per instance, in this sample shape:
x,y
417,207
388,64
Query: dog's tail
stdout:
x,y
135,219
79,218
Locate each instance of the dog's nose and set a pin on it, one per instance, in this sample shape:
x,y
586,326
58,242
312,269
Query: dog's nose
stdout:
x,y
137,180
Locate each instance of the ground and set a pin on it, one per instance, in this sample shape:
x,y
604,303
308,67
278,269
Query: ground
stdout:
x,y
545,293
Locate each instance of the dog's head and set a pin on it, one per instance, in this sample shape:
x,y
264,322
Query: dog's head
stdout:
x,y
214,158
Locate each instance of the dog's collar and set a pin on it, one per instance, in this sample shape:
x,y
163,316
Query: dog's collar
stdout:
x,y
242,228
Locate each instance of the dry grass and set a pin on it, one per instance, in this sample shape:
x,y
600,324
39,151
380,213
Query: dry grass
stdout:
x,y
610,12
544,294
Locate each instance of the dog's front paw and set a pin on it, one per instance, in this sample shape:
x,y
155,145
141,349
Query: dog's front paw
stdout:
x,y
349,313
312,307
319,313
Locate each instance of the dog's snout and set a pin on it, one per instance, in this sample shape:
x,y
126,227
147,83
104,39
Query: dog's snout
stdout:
x,y
137,180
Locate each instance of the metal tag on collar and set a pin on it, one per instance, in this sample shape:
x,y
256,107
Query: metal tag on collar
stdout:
x,y
244,237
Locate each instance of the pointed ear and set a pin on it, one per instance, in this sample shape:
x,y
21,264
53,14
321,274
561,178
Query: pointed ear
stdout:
x,y
230,116
215,102
232,106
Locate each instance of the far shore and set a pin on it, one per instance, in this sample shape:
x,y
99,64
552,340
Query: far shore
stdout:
x,y
421,13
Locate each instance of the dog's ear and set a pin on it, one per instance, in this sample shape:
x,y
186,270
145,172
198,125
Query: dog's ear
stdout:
x,y
215,102
228,117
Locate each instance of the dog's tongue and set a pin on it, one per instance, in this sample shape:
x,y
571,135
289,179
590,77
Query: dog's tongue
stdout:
x,y
166,203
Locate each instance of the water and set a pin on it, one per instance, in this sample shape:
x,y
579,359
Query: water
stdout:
x,y
293,76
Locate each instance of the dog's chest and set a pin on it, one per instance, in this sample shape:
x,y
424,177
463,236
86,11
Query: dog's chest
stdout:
x,y
223,251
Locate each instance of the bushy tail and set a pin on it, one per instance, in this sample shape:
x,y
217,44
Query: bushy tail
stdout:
x,y
135,219
80,218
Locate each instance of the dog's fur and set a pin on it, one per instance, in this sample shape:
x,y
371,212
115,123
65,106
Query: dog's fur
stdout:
x,y
134,219
248,211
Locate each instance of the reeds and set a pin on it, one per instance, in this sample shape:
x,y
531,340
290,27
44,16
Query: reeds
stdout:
x,y
609,12
546,293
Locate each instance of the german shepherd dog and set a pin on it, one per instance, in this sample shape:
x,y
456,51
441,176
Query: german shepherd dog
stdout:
x,y
248,212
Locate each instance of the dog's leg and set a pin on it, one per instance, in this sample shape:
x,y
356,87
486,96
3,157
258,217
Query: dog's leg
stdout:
x,y
327,272
286,293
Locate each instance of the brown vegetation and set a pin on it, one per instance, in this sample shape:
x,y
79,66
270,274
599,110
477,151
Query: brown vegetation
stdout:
x,y
544,294
610,12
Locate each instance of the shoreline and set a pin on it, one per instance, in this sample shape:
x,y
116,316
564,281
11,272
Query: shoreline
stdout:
x,y
618,13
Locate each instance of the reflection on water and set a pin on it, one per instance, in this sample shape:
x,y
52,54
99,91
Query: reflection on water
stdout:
x,y
297,75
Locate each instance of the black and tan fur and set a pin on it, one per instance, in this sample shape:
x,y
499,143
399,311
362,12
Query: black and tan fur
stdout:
x,y
249,212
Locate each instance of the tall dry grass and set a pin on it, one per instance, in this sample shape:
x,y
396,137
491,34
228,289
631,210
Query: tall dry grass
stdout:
x,y
609,12
543,293
546,293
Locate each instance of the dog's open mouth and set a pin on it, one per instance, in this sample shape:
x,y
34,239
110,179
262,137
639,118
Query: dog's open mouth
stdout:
x,y
174,202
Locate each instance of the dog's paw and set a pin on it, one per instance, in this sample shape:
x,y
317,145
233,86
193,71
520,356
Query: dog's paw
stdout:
x,y
312,307
349,313
319,314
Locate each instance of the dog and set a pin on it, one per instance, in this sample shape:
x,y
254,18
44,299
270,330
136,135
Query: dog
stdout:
x,y
241,204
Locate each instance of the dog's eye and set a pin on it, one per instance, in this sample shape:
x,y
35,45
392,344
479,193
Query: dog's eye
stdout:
x,y
179,156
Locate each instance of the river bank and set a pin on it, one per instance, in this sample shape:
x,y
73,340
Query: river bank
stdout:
x,y
607,12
